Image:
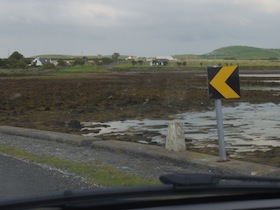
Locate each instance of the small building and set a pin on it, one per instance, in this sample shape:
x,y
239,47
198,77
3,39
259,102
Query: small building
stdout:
x,y
41,61
159,62
130,58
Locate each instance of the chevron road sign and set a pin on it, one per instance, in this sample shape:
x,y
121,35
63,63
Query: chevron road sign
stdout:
x,y
223,82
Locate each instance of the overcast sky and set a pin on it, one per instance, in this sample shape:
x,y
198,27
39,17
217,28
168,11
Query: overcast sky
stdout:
x,y
136,27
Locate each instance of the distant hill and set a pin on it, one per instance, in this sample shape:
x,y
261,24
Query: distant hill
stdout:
x,y
243,53
57,56
230,53
54,56
237,52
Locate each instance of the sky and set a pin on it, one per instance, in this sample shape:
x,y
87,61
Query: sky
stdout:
x,y
135,27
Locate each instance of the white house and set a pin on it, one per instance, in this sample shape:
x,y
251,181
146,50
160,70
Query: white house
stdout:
x,y
159,62
129,58
41,61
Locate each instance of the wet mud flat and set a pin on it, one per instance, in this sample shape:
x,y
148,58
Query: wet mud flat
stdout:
x,y
66,103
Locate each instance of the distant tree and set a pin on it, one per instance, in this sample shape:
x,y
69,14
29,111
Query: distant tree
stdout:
x,y
97,61
106,60
85,59
15,61
140,62
133,62
61,62
79,61
21,64
179,63
201,64
3,63
16,55
115,57
27,60
12,63
48,66
184,63
102,61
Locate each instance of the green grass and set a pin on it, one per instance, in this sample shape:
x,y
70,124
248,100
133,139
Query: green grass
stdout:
x,y
236,52
94,172
144,67
192,64
244,53
81,69
210,62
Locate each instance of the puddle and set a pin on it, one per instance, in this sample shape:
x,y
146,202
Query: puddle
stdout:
x,y
268,79
259,75
260,88
272,81
247,127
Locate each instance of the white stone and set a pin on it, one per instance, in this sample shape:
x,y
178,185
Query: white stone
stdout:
x,y
175,140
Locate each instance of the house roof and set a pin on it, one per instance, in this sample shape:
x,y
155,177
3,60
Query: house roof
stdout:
x,y
44,60
40,61
164,58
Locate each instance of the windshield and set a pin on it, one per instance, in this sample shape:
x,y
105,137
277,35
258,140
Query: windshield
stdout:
x,y
100,94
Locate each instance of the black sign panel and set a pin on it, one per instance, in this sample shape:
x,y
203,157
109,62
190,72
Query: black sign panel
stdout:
x,y
223,82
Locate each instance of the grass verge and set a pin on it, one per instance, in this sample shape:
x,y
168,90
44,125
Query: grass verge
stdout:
x,y
82,69
94,172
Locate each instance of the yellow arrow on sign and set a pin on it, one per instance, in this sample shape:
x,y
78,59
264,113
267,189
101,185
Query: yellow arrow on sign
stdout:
x,y
219,82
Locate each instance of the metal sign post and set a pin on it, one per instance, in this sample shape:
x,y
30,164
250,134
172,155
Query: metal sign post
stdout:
x,y
223,82
219,117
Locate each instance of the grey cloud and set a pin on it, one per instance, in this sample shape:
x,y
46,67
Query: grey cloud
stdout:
x,y
146,27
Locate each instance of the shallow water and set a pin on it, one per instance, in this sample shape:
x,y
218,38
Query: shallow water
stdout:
x,y
260,75
247,127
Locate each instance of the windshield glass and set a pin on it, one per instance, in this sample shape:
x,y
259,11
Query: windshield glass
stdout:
x,y
99,94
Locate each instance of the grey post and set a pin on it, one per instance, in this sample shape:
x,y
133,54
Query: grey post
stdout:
x,y
175,139
219,116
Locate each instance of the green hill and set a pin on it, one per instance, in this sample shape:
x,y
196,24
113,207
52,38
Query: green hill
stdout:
x,y
230,53
243,53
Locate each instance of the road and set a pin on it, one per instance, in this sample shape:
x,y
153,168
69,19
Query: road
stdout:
x,y
18,178
147,161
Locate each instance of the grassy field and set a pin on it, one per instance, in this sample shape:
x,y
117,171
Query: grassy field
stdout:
x,y
191,64
82,69
237,52
245,64
199,64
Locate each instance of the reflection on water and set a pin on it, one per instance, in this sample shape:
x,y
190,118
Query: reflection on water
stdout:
x,y
259,75
272,81
247,127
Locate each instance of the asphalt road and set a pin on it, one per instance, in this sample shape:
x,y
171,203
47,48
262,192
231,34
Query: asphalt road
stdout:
x,y
21,178
18,178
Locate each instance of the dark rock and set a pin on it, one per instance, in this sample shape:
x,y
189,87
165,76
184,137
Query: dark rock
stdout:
x,y
99,125
74,124
96,131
